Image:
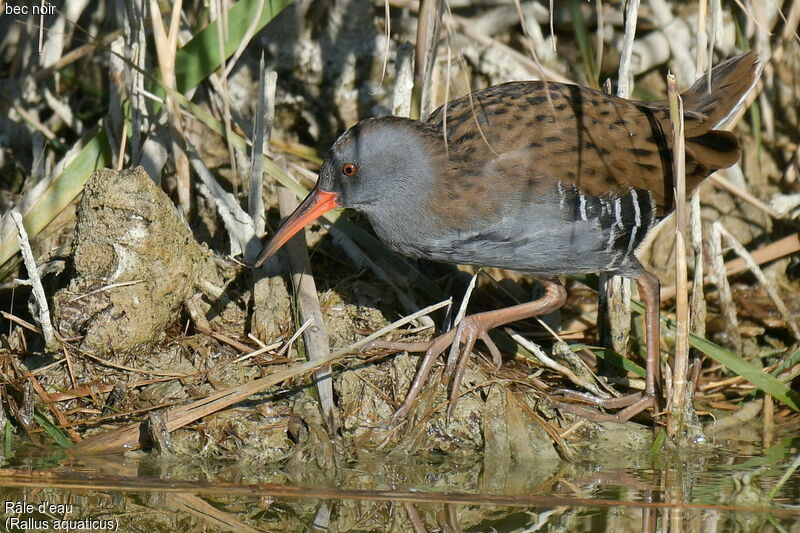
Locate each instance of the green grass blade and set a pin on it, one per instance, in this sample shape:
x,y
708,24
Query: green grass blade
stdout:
x,y
751,373
52,430
735,363
617,360
584,44
200,57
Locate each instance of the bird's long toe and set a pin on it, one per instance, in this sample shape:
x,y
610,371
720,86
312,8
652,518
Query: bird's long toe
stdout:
x,y
629,405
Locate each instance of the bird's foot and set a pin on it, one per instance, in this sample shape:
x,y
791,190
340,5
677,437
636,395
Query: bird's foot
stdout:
x,y
461,341
630,405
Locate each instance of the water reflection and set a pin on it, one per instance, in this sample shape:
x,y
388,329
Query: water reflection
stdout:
x,y
714,490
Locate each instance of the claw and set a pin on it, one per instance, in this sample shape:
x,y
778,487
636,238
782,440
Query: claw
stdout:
x,y
497,359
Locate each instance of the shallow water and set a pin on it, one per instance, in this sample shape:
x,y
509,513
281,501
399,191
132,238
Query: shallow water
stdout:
x,y
719,488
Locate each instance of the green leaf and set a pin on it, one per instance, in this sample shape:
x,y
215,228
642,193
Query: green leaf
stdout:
x,y
735,363
52,430
755,375
200,57
617,360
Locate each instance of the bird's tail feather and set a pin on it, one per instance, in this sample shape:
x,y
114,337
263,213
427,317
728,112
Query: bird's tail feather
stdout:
x,y
707,148
718,95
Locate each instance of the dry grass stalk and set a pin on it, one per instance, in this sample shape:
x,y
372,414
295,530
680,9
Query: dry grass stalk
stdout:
x,y
316,337
166,46
701,39
127,437
748,412
404,80
725,184
718,277
428,25
769,252
262,129
614,310
697,307
625,78
554,365
762,279
42,308
676,417
59,416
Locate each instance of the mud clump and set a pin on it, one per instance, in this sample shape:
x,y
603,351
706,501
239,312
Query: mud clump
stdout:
x,y
134,263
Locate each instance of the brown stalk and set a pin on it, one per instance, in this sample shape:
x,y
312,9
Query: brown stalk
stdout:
x,y
59,416
429,21
676,417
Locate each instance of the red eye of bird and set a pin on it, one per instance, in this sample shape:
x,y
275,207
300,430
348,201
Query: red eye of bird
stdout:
x,y
349,169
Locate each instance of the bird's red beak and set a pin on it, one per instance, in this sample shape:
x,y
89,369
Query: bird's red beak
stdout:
x,y
314,206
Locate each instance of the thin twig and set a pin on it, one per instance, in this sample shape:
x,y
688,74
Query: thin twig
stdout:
x,y
42,308
625,78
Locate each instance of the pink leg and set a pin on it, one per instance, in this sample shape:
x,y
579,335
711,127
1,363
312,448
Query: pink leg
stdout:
x,y
639,402
473,327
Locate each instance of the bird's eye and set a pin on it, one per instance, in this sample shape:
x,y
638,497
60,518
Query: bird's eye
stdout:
x,y
349,169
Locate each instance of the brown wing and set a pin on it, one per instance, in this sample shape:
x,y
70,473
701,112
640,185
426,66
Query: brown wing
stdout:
x,y
574,135
547,132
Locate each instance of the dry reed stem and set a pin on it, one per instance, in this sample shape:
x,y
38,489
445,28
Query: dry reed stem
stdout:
x,y
697,307
624,77
741,251
429,21
262,129
316,336
676,404
718,277
166,47
726,185
404,80
769,252
554,365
